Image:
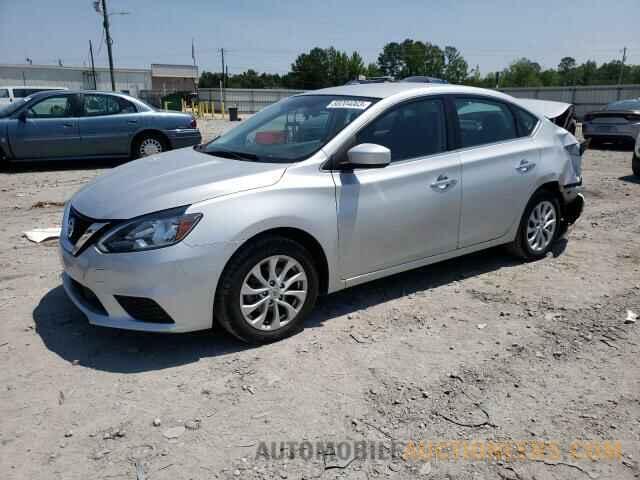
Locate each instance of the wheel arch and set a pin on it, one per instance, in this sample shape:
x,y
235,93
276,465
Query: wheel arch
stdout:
x,y
302,237
553,188
148,131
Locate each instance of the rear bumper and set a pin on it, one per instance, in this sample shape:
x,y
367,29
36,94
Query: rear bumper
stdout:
x,y
184,137
573,209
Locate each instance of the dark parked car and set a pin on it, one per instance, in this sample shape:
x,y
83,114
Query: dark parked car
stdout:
x,y
423,79
635,163
84,124
618,122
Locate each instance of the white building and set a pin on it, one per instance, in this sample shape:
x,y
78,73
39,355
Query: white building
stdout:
x,y
128,80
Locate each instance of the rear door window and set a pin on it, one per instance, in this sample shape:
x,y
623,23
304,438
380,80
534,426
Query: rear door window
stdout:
x,y
98,105
484,121
4,93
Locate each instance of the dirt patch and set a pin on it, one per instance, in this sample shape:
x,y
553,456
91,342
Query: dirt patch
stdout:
x,y
480,348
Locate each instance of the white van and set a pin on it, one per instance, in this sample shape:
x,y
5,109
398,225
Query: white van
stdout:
x,y
9,94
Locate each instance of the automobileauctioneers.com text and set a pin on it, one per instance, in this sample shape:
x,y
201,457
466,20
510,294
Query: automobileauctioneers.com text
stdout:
x,y
448,450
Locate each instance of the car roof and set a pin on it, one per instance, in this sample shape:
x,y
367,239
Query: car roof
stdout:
x,y
627,104
385,90
21,87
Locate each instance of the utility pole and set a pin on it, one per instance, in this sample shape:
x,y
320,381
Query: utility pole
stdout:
x,y
222,54
93,67
624,59
105,23
222,83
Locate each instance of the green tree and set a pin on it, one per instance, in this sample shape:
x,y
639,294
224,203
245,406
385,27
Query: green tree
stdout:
x,y
391,60
311,70
209,80
372,70
433,60
521,73
456,68
356,66
550,78
413,58
567,71
586,73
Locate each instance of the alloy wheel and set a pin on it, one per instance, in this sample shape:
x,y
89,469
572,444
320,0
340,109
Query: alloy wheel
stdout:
x,y
541,226
273,292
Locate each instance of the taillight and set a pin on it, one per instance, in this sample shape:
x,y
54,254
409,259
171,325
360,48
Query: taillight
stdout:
x,y
193,123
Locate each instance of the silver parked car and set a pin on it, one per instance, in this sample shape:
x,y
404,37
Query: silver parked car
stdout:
x,y
617,122
88,124
314,194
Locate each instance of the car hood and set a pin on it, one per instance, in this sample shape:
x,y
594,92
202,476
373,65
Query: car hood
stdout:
x,y
171,179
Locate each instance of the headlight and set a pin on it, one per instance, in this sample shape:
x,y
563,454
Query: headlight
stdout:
x,y
156,230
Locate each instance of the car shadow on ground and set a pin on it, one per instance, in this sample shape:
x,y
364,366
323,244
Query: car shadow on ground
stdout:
x,y
66,332
60,165
613,147
630,179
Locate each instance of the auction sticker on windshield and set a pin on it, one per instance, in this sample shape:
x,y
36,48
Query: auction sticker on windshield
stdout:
x,y
352,104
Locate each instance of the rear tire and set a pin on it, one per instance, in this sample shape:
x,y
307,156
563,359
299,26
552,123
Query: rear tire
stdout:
x,y
258,303
149,144
635,165
539,227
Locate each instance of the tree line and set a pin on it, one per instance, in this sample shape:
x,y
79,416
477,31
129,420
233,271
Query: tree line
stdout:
x,y
327,67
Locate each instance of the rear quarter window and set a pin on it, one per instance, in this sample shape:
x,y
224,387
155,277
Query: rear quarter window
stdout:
x,y
526,122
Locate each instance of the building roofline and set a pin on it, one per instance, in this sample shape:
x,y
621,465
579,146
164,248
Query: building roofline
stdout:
x,y
27,66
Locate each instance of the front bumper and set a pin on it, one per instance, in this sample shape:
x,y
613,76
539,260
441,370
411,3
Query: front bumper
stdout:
x,y
180,279
183,137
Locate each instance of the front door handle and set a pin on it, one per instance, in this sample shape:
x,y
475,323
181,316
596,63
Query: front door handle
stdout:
x,y
133,122
67,125
443,183
525,166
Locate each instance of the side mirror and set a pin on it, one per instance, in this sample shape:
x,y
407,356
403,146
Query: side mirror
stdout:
x,y
22,116
368,155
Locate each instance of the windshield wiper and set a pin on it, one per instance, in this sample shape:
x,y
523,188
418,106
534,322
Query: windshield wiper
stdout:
x,y
231,154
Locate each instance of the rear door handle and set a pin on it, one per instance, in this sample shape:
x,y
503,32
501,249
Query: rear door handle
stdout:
x,y
133,122
525,166
443,183
67,125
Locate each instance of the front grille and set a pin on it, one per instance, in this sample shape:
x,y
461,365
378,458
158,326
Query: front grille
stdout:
x,y
144,309
81,224
89,298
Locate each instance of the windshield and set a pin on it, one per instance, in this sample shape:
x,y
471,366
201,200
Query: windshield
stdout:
x,y
624,105
8,109
290,130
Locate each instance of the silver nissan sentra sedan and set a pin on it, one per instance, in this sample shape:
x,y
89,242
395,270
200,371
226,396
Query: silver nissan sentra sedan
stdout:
x,y
314,194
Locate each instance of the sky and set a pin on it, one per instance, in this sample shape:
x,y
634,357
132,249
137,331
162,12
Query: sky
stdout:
x,y
267,35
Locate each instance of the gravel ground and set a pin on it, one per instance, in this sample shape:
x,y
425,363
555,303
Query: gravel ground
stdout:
x,y
474,349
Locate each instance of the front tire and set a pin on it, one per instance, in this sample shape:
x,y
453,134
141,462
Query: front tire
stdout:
x,y
635,165
267,290
539,227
